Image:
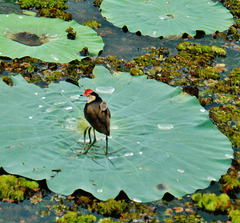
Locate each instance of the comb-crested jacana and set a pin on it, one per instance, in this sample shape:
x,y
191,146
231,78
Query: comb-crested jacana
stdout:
x,y
98,115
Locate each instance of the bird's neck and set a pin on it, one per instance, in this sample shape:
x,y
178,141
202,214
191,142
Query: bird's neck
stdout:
x,y
94,98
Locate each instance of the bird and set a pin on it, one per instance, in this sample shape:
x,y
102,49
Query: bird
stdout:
x,y
98,115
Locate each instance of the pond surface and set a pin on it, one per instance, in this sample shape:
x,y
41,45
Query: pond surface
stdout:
x,y
124,46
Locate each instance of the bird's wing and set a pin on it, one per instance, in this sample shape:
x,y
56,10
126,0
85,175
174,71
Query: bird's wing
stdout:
x,y
99,120
104,107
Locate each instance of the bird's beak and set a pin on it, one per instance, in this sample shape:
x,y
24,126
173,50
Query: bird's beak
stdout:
x,y
84,95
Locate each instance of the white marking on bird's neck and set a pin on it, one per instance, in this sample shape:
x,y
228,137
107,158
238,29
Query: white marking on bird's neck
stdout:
x,y
91,98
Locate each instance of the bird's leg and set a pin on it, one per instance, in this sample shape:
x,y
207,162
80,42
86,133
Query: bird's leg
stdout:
x,y
94,134
89,134
91,142
84,137
106,152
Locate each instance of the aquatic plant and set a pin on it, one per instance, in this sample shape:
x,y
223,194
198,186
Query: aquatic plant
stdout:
x,y
163,18
15,188
70,33
108,220
125,211
50,8
93,24
212,202
164,136
191,218
230,181
198,49
52,4
235,215
97,3
73,217
55,13
227,119
45,39
136,71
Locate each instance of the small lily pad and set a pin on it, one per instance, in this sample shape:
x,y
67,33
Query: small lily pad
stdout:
x,y
45,38
165,18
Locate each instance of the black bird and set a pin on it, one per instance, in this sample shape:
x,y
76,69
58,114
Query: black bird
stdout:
x,y
98,115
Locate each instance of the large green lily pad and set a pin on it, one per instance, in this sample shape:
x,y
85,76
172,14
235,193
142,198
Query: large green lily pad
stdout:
x,y
55,46
168,143
164,18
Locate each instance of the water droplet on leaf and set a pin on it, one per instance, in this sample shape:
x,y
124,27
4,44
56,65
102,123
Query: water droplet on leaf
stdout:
x,y
68,108
99,190
114,127
229,156
54,57
75,96
105,90
211,178
128,154
50,110
180,171
137,200
165,126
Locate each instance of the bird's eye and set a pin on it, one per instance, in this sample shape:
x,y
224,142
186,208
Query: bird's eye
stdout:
x,y
88,95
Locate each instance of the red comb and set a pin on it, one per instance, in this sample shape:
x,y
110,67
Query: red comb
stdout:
x,y
87,92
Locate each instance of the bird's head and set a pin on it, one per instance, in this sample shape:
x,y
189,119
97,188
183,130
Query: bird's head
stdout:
x,y
90,94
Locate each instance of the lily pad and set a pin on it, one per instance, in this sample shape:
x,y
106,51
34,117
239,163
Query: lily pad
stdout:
x,y
167,142
164,18
45,38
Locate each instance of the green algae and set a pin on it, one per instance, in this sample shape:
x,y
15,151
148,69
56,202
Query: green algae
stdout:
x,y
7,80
107,220
52,4
209,73
73,217
135,71
197,49
230,182
233,31
227,119
235,215
212,202
15,188
121,209
50,8
55,13
93,24
71,34
97,3
191,218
